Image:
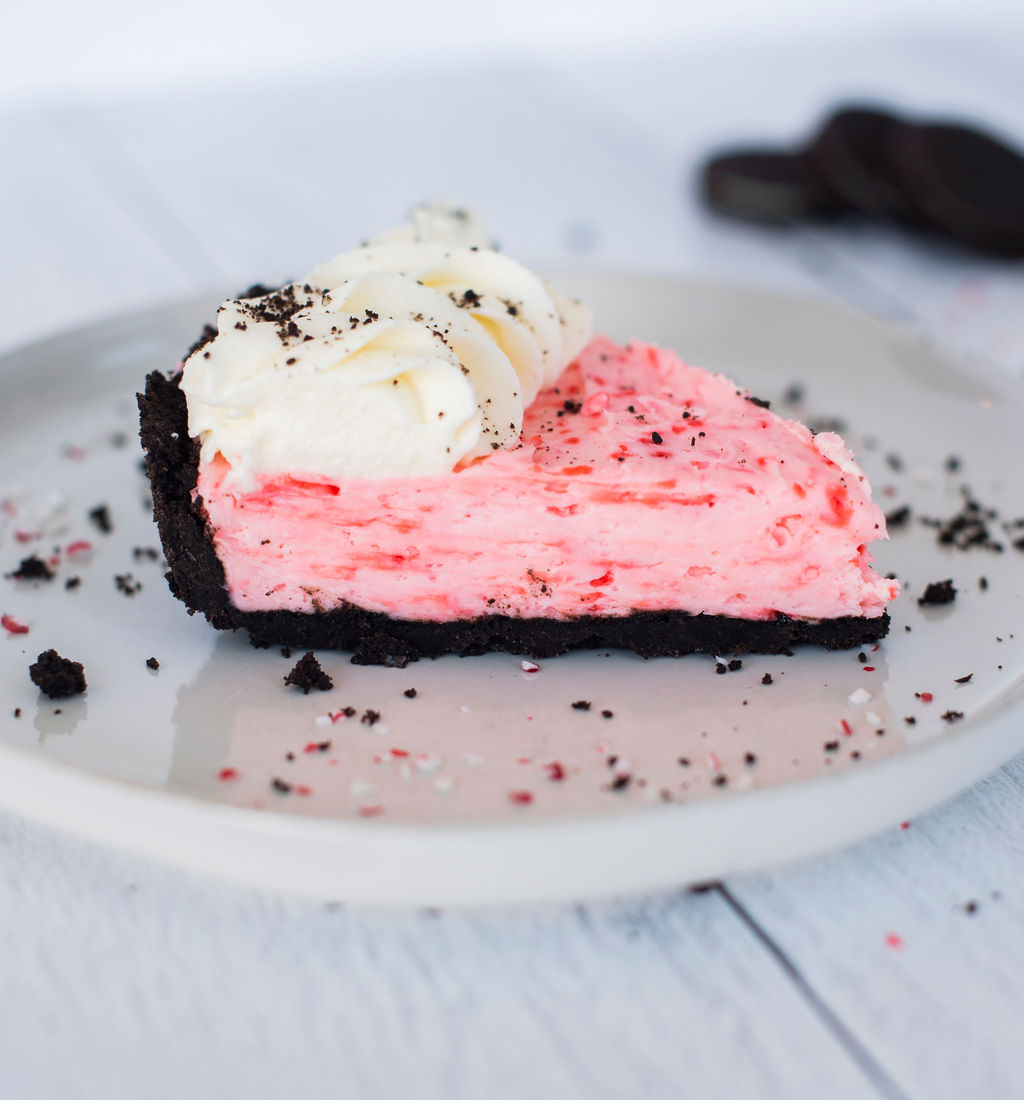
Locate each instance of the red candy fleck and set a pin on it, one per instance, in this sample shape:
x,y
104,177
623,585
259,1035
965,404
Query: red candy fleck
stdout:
x,y
595,403
27,536
370,811
867,668
80,546
605,578
894,941
520,798
225,775
12,626
301,788
904,824
556,771
845,726
926,697
840,506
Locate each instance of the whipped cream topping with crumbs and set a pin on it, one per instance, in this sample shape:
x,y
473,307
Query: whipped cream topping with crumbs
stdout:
x,y
408,356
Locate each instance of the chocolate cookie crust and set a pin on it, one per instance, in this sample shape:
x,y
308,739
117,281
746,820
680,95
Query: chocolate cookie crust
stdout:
x,y
196,577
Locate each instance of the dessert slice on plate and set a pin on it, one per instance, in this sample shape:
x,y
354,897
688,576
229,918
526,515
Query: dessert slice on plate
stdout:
x,y
420,450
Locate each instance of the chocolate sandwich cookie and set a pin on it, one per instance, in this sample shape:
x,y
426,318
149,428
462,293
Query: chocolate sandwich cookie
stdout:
x,y
853,154
768,186
968,183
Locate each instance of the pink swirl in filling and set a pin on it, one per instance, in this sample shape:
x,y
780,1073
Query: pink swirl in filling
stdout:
x,y
639,483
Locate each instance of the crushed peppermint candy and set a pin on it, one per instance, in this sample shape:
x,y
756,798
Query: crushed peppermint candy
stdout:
x,y
529,667
859,696
333,716
428,761
13,625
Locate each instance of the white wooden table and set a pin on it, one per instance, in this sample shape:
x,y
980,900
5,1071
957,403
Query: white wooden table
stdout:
x,y
894,969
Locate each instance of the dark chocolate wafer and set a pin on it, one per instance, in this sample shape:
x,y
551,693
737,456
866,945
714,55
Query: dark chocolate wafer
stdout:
x,y
768,186
968,182
852,153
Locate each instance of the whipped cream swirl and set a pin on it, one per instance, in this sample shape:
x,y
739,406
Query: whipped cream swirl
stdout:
x,y
405,357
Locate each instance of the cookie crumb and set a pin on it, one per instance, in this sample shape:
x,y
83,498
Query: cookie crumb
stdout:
x,y
308,675
127,584
100,516
33,568
898,518
56,676
152,663
937,593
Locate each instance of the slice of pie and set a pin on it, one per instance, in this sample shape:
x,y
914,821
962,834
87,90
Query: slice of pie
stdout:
x,y
419,450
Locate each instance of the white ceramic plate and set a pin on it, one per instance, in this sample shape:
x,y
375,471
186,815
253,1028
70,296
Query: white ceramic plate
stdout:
x,y
422,807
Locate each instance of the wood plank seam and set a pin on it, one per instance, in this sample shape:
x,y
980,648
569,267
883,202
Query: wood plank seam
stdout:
x,y
883,1084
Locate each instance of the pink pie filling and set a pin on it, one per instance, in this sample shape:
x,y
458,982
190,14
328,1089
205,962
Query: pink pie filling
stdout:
x,y
640,483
